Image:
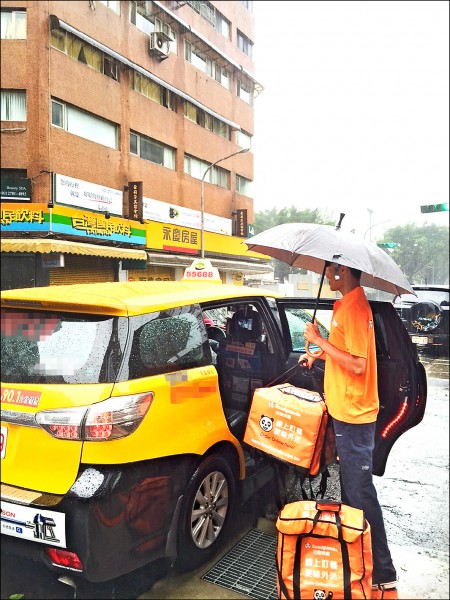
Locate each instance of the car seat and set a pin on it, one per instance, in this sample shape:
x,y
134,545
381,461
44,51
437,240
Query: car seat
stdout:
x,y
242,364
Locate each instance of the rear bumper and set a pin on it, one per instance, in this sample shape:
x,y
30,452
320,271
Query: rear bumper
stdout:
x,y
116,528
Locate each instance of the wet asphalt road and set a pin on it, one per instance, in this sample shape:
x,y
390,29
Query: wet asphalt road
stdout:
x,y
414,494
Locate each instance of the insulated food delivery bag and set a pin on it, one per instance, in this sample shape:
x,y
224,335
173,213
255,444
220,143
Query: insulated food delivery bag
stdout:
x,y
324,551
288,423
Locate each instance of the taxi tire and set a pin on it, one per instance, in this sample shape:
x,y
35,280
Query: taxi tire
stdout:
x,y
205,512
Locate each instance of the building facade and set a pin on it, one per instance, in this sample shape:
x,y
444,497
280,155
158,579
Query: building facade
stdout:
x,y
126,132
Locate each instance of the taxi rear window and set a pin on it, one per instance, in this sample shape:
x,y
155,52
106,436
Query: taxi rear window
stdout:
x,y
50,347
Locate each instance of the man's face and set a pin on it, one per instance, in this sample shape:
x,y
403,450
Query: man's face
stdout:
x,y
334,284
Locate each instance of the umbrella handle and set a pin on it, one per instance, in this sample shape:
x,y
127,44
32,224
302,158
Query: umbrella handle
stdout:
x,y
313,353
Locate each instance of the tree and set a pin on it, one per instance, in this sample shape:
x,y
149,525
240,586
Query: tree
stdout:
x,y
269,218
421,252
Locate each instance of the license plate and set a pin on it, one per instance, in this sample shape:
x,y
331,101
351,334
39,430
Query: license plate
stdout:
x,y
420,341
3,436
34,524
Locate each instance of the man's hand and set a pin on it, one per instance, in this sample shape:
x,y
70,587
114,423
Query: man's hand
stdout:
x,y
306,361
312,334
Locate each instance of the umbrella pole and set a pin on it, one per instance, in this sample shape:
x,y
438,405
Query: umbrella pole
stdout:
x,y
318,293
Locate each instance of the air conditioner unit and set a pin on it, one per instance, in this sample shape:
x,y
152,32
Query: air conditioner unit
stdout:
x,y
159,44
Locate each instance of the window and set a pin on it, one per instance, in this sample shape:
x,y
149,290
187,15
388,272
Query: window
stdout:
x,y
147,23
206,64
13,24
167,341
204,119
248,4
152,90
151,150
13,105
244,140
222,24
243,185
244,44
112,4
197,168
47,355
84,53
212,15
245,91
84,124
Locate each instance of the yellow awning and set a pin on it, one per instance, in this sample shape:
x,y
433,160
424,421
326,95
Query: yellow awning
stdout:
x,y
47,246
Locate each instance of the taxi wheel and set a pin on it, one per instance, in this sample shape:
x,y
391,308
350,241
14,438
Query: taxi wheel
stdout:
x,y
206,513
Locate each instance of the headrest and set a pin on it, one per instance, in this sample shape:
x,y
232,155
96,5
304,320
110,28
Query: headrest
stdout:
x,y
245,325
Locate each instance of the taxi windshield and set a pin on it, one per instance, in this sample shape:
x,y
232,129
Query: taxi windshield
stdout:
x,y
48,347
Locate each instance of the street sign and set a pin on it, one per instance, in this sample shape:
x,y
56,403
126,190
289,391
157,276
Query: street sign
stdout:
x,y
431,208
387,244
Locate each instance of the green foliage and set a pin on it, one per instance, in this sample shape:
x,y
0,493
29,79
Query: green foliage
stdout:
x,y
269,218
421,252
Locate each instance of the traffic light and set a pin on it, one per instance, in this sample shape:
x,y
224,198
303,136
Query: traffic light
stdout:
x,y
388,244
430,208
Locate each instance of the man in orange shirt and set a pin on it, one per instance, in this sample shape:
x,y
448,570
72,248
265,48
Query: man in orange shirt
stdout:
x,y
351,394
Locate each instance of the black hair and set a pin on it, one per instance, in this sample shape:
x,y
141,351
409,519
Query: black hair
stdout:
x,y
355,272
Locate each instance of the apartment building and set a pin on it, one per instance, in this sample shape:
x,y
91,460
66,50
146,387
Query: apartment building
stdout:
x,y
126,133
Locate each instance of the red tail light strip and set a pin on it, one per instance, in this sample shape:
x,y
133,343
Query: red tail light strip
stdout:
x,y
395,421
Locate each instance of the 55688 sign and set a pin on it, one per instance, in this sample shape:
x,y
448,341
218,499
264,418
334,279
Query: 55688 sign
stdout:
x,y
202,270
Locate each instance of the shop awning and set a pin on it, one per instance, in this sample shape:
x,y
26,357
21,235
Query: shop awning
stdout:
x,y
46,246
176,260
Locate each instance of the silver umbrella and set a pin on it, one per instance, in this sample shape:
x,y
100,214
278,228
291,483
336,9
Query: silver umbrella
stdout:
x,y
308,246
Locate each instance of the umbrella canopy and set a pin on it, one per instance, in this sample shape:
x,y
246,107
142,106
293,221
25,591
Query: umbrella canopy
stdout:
x,y
308,245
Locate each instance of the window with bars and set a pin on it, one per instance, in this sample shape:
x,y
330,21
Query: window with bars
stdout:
x,y
13,105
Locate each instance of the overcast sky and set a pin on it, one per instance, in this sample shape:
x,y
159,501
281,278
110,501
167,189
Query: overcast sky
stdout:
x,y
354,115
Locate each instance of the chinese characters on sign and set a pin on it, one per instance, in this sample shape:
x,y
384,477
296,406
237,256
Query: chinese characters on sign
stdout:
x,y
180,235
97,225
12,216
135,200
241,225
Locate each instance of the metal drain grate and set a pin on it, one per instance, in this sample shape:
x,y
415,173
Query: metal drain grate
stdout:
x,y
249,567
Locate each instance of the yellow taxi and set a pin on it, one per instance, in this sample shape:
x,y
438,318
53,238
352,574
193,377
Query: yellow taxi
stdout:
x,y
124,408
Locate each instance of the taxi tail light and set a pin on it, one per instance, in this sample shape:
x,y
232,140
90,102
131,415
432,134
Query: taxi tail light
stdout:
x,y
111,419
396,420
64,558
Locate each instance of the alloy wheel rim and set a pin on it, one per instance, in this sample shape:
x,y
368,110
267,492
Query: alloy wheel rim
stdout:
x,y
209,509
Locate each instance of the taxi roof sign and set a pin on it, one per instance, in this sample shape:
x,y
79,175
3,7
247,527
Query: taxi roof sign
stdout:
x,y
201,269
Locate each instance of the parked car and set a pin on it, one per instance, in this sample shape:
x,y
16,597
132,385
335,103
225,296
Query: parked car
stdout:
x,y
425,317
122,441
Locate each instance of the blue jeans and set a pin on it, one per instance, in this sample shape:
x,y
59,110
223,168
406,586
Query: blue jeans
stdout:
x,y
354,445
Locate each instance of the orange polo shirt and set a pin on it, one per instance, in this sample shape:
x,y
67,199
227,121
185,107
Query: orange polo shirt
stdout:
x,y
350,398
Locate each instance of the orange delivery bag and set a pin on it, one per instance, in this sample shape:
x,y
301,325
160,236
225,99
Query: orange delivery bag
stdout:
x,y
324,551
288,423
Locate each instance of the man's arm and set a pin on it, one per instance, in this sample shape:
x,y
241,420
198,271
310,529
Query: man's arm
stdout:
x,y
356,365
